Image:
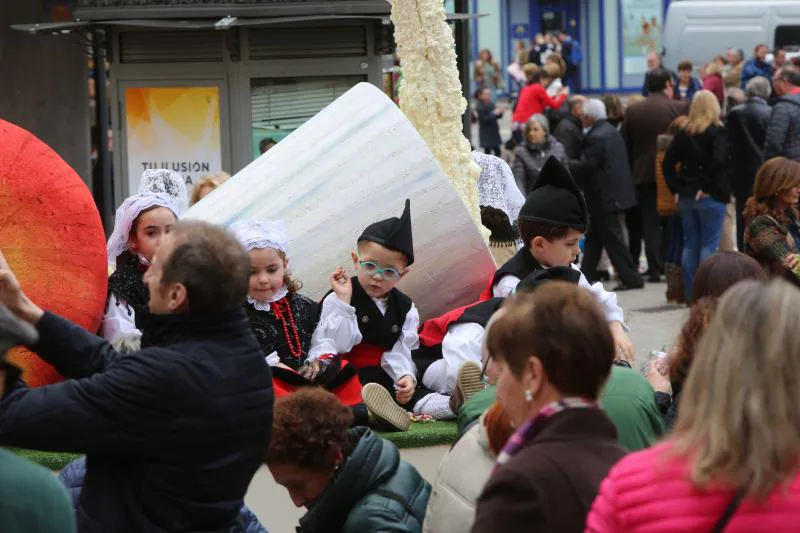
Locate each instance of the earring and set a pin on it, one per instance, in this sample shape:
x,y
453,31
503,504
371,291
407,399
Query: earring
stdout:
x,y
528,395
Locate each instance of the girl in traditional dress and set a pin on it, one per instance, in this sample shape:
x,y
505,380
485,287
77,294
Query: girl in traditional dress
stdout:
x,y
283,320
141,221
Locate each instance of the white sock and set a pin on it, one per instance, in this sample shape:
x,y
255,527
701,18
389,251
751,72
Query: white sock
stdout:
x,y
435,405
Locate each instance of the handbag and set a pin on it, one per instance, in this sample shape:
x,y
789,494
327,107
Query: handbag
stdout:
x,y
665,200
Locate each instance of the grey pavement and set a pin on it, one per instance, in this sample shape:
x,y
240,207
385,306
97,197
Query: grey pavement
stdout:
x,y
653,323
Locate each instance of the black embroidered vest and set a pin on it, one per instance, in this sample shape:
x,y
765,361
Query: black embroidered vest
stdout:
x,y
380,330
521,265
127,284
269,330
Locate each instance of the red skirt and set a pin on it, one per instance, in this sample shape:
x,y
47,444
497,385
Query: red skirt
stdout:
x,y
344,384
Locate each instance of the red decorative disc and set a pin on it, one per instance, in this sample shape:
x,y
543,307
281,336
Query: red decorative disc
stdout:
x,y
51,236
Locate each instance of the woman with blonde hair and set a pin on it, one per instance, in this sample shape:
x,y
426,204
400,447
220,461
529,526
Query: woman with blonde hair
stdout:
x,y
207,184
712,81
701,186
772,233
731,463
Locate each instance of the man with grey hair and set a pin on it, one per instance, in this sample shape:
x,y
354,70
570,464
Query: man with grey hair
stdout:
x,y
33,499
607,183
747,128
783,132
735,57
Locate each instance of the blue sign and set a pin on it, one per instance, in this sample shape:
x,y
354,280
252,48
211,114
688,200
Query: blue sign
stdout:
x,y
520,31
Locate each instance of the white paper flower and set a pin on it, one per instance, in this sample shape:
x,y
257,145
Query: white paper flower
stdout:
x,y
431,96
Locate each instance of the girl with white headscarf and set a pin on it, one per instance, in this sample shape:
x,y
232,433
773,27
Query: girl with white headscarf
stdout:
x,y
161,180
142,220
282,319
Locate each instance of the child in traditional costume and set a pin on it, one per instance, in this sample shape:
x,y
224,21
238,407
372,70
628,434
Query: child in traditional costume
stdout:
x,y
141,221
455,340
370,323
282,319
552,222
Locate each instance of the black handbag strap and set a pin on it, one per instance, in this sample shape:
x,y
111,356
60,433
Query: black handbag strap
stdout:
x,y
730,510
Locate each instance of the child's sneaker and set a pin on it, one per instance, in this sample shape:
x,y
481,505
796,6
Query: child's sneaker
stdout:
x,y
384,413
468,384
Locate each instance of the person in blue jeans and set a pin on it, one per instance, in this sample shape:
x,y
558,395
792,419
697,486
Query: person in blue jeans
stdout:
x,y
695,168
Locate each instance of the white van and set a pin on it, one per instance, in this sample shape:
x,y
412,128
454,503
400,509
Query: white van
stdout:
x,y
699,30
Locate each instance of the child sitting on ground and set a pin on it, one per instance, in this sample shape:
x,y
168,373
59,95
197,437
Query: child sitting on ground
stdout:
x,y
373,325
282,319
141,221
552,222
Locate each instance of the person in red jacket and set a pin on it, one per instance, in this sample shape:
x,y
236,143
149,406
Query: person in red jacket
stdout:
x,y
713,81
731,461
532,100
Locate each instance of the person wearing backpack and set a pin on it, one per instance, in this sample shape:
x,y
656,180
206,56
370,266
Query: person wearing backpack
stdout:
x,y
701,186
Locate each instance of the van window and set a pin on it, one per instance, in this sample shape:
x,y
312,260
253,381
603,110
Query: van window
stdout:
x,y
787,36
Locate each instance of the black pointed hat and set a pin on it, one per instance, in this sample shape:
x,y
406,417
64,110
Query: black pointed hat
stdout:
x,y
393,233
556,199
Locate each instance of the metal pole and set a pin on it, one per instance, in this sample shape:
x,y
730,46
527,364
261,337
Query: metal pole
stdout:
x,y
102,186
463,48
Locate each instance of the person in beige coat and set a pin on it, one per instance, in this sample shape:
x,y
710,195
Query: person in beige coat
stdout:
x,y
464,471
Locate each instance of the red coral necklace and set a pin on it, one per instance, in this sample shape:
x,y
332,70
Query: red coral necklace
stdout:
x,y
282,310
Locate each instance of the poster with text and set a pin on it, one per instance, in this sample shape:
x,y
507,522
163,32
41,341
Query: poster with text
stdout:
x,y
177,128
642,21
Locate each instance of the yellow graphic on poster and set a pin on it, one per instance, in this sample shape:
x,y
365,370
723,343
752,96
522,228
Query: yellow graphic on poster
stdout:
x,y
177,128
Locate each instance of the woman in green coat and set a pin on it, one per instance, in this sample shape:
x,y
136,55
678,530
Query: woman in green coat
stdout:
x,y
350,480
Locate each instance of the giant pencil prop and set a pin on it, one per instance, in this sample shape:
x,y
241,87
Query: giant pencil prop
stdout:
x,y
51,236
352,164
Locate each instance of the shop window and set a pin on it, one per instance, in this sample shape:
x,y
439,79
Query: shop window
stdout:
x,y
280,106
787,37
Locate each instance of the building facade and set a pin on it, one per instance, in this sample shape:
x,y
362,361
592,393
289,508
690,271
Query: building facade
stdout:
x,y
615,35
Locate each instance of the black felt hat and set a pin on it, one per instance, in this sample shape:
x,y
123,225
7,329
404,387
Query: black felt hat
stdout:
x,y
393,233
556,199
545,275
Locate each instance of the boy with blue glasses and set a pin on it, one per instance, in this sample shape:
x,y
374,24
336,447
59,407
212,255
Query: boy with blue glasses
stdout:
x,y
370,323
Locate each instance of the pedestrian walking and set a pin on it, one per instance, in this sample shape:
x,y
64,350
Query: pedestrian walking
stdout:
x,y
488,123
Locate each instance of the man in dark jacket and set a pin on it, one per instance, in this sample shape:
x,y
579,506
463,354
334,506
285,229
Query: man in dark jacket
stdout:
x,y
644,122
654,61
173,433
569,131
783,133
747,128
608,185
33,499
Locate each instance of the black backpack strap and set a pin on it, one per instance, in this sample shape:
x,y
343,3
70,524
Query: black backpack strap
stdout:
x,y
402,501
730,510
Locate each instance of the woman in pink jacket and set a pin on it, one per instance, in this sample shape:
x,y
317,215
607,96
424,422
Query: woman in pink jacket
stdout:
x,y
732,462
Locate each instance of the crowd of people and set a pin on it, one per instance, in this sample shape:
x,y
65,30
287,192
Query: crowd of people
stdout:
x,y
211,362
673,168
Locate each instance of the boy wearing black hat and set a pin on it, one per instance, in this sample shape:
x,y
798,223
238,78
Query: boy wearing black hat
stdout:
x,y
552,222
373,325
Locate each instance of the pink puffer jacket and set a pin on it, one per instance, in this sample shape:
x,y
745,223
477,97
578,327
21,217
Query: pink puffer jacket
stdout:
x,y
648,492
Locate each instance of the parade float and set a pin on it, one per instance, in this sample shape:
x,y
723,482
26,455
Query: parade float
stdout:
x,y
51,236
359,159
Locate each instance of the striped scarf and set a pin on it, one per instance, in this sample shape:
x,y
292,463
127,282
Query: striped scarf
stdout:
x,y
530,429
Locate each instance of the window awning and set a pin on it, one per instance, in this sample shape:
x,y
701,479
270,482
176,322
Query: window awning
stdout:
x,y
203,24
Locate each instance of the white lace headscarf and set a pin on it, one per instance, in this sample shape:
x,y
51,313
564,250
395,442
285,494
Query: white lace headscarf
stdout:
x,y
496,186
257,234
127,213
166,181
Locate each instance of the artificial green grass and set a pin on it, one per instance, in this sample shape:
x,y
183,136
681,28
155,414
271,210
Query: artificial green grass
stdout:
x,y
53,461
420,435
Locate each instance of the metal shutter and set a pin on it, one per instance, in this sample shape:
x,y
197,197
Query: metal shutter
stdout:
x,y
285,104
323,41
170,47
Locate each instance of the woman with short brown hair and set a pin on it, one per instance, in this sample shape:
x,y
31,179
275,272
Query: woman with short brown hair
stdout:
x,y
772,234
550,470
